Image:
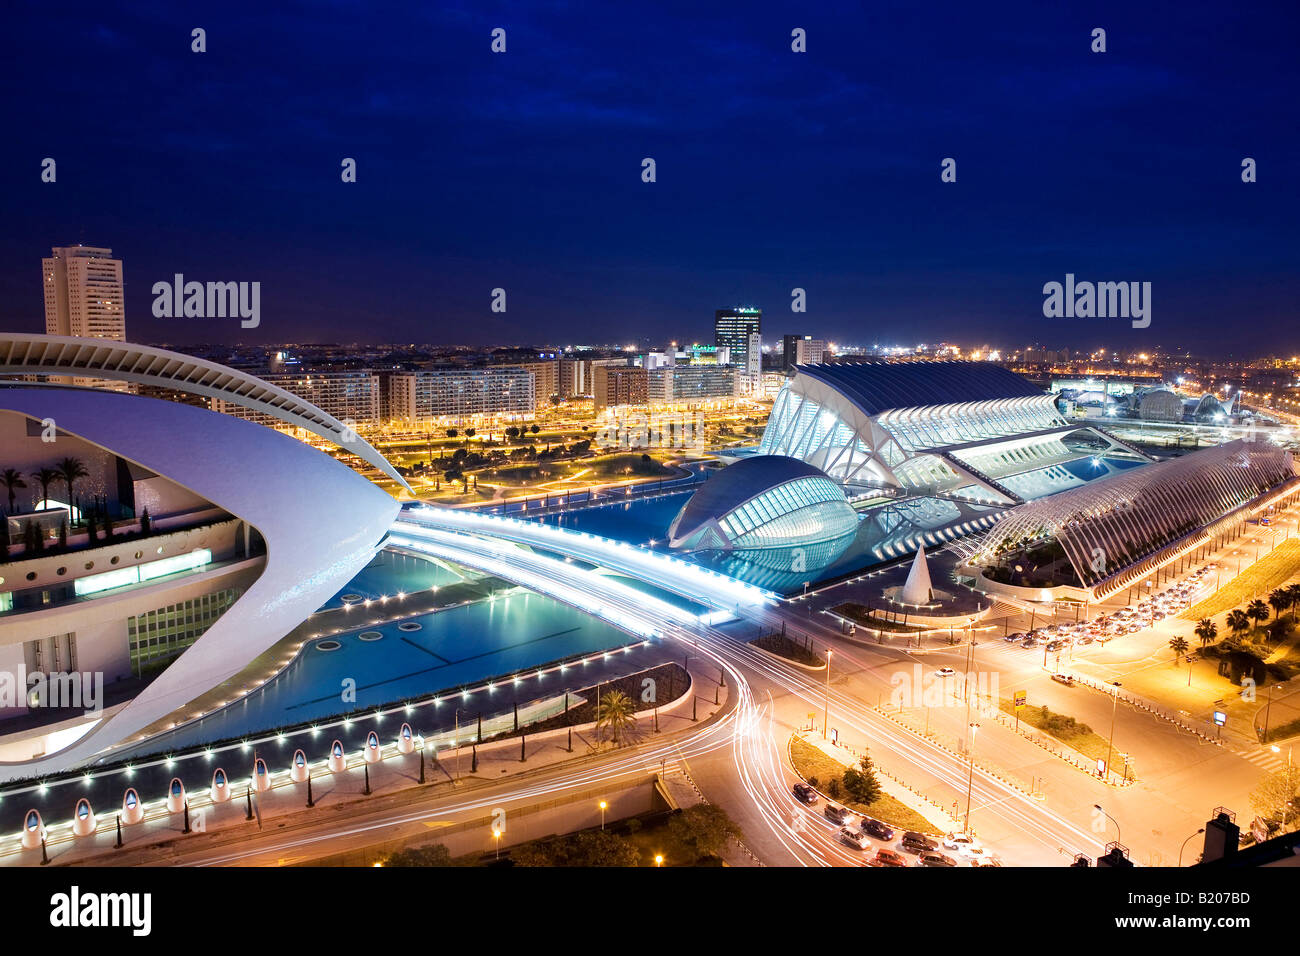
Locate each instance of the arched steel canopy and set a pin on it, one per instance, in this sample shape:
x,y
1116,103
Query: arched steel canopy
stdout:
x,y
26,354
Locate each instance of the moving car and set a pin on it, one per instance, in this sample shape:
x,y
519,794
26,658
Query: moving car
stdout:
x,y
1013,638
838,815
854,838
935,858
1065,679
915,842
944,672
958,841
879,830
888,858
805,794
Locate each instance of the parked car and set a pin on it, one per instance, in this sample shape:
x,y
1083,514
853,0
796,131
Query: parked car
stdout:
x,y
1029,642
1056,646
888,858
879,830
1066,679
944,672
935,858
838,815
915,842
1013,638
805,794
854,838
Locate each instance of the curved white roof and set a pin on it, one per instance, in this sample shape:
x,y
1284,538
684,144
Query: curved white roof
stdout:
x,y
26,354
322,523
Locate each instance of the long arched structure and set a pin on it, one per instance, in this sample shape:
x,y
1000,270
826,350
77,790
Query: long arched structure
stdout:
x,y
26,354
1098,533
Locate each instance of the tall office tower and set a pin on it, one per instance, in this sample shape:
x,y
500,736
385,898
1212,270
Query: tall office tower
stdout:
x,y
83,293
789,350
732,329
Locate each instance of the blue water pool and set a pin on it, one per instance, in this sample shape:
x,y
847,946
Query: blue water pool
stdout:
x,y
391,573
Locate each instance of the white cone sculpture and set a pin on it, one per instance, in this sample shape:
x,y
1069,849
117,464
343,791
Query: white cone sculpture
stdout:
x,y
917,589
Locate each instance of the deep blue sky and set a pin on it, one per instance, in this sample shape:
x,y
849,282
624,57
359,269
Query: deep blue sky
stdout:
x,y
775,169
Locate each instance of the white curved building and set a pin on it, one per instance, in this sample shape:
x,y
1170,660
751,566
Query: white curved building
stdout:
x,y
967,429
251,531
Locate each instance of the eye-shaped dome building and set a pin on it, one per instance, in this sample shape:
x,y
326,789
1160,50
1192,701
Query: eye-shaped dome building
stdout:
x,y
775,511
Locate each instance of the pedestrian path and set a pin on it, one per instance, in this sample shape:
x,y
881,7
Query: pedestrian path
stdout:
x,y
1263,758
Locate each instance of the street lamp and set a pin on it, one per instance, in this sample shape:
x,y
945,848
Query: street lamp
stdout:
x,y
1110,747
826,715
659,859
603,807
496,837
970,776
1185,842
1118,836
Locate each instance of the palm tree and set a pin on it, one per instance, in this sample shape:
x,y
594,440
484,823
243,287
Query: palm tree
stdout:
x,y
12,479
1257,611
1293,594
1238,622
615,718
1179,646
1279,600
1206,630
71,470
45,477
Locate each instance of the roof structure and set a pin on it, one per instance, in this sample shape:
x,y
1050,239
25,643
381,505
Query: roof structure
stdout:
x,y
1114,523
876,387
26,354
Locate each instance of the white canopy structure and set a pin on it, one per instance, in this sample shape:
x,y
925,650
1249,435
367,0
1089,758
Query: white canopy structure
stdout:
x,y
1112,525
24,354
917,589
970,429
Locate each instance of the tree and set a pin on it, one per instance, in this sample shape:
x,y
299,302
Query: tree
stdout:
x,y
1257,611
1293,595
71,470
12,479
63,534
587,848
452,433
45,477
436,855
512,432
1206,630
1276,796
1238,622
616,718
1179,646
860,782
702,830
536,428
146,523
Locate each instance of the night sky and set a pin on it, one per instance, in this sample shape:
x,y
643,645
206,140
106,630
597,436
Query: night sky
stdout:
x,y
775,169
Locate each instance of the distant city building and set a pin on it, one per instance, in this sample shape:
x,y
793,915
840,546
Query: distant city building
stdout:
x,y
461,393
351,397
809,351
708,355
576,375
83,293
691,383
740,330
614,385
546,381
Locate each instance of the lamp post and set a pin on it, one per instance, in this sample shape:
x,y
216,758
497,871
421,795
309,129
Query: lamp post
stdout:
x,y
1118,836
826,714
1110,747
970,775
496,839
603,807
1185,842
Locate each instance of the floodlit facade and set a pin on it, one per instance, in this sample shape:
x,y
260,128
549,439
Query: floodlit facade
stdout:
x,y
970,429
768,509
461,393
251,531
1108,534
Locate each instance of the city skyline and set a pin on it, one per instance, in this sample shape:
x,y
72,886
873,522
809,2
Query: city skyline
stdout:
x,y
478,171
